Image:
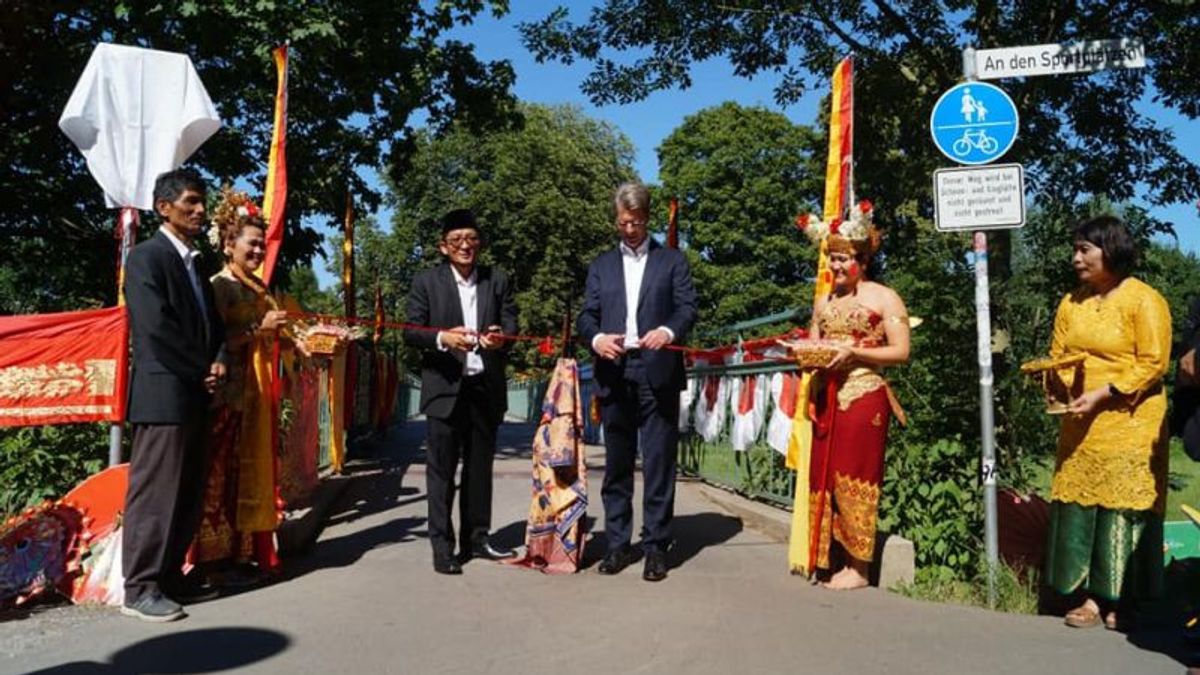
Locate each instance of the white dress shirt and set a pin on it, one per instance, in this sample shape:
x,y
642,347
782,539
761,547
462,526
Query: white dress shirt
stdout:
x,y
189,255
467,298
633,267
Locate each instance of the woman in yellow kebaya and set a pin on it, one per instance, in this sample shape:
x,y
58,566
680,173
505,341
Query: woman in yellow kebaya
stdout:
x,y
1109,484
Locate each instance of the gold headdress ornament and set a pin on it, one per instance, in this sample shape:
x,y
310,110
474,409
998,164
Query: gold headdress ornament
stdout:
x,y
235,206
856,234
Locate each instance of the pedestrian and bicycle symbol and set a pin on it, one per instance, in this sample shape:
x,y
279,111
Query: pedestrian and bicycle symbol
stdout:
x,y
974,123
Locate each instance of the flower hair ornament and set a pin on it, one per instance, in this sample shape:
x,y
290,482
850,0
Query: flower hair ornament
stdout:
x,y
855,234
235,209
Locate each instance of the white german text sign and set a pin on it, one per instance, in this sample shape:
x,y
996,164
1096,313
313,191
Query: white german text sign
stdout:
x,y
979,198
1059,59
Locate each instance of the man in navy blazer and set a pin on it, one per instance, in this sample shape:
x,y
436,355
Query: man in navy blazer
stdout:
x,y
639,299
177,339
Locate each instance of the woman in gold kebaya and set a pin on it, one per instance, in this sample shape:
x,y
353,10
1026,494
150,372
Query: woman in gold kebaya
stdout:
x,y
1109,485
240,511
867,323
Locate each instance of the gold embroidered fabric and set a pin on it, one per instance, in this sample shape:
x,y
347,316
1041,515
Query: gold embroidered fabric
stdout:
x,y
859,382
857,325
854,522
853,323
1116,457
240,308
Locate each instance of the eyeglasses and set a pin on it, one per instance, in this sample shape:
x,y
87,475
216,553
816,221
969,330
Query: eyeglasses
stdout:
x,y
457,242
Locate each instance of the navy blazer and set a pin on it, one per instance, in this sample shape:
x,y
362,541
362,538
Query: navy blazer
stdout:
x,y
666,298
174,341
433,301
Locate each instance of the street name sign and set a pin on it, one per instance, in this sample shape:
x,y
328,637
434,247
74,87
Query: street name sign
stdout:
x,y
1059,59
979,198
974,123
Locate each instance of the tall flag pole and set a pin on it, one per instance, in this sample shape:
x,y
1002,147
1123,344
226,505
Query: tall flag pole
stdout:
x,y
839,172
378,313
351,307
348,258
275,194
673,223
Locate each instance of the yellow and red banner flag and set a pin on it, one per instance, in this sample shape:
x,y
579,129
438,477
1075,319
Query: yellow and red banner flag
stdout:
x,y
839,163
839,174
275,194
63,368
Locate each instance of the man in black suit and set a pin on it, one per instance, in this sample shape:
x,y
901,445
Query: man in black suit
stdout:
x,y
177,343
638,300
463,387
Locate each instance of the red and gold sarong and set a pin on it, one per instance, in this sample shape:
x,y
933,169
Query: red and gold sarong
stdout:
x,y
846,471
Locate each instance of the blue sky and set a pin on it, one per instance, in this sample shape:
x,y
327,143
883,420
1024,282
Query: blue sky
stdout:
x,y
650,121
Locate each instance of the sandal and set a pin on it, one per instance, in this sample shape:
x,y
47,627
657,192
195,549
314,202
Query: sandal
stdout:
x,y
1083,617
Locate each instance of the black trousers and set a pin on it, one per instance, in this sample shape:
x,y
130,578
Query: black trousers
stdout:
x,y
638,417
468,434
164,502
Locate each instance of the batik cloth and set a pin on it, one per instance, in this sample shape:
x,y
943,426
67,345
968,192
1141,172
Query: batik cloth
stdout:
x,y
1106,552
554,533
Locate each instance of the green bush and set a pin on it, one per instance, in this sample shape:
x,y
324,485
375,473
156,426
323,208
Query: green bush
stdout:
x,y
929,497
38,463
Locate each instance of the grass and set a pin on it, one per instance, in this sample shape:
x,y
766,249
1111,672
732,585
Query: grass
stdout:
x,y
1015,593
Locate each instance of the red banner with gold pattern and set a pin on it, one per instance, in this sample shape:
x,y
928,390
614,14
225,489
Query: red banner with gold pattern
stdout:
x,y
60,368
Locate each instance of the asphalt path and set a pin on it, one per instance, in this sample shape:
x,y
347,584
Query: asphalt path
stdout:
x,y
366,600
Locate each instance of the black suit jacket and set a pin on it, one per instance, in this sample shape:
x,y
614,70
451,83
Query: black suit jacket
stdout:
x,y
174,342
433,301
667,298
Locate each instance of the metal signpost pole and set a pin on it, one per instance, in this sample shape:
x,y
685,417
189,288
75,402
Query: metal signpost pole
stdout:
x,y
987,422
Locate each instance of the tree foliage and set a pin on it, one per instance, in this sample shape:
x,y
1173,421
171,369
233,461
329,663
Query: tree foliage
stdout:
x,y
1080,135
741,175
542,194
358,73
1082,141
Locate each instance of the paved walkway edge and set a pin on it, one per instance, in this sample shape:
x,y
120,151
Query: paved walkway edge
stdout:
x,y
895,561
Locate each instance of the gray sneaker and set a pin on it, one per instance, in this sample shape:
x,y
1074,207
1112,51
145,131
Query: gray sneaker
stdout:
x,y
155,608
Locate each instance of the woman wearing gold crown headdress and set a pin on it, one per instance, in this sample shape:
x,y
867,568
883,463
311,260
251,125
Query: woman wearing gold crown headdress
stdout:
x,y
241,513
1109,486
866,324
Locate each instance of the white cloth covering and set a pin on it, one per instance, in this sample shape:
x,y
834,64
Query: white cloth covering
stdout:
x,y
713,421
747,426
686,398
136,113
779,428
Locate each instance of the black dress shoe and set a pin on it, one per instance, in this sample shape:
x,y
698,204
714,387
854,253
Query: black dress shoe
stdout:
x,y
192,588
618,560
486,551
656,566
446,565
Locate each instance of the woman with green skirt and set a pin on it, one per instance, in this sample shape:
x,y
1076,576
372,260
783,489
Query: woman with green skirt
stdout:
x,y
1109,486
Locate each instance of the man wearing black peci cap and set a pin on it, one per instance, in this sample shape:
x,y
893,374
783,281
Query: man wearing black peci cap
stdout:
x,y
463,387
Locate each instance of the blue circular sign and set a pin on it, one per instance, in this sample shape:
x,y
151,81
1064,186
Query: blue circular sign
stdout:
x,y
974,123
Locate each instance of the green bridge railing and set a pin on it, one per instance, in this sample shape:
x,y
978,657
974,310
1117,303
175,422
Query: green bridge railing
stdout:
x,y
759,471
